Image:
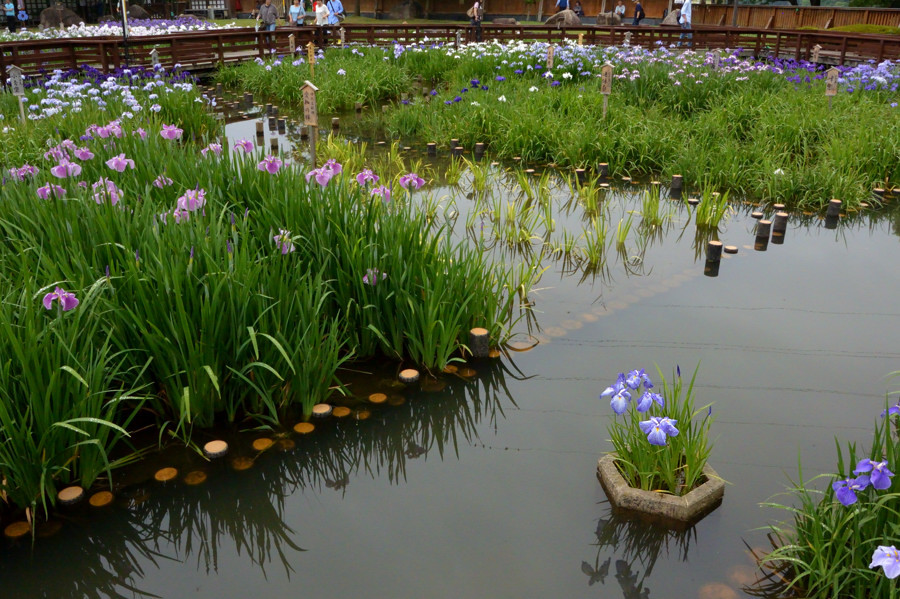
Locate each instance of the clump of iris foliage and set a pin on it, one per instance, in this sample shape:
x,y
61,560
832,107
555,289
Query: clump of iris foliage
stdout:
x,y
148,271
661,441
842,540
760,128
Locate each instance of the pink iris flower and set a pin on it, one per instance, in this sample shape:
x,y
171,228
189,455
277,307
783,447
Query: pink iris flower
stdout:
x,y
66,169
411,180
214,148
373,276
162,181
26,170
283,241
103,189
193,199
50,190
366,177
383,192
244,144
83,154
269,164
67,300
171,132
181,215
120,163
140,133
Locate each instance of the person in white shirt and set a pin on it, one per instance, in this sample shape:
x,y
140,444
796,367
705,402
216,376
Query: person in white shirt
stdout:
x,y
620,9
322,13
685,20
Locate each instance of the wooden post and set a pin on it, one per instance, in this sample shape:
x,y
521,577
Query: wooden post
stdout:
x,y
17,84
713,251
606,84
292,43
834,208
311,57
831,84
311,117
479,341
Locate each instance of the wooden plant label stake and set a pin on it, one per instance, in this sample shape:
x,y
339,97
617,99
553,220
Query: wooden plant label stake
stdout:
x,y
580,39
627,38
717,59
815,53
606,72
831,84
310,116
311,56
343,33
292,43
154,57
550,51
17,84
458,38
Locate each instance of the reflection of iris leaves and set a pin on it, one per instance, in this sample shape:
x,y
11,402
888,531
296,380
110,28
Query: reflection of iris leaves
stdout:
x,y
246,509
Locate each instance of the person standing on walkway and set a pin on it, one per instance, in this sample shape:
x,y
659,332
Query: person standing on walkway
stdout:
x,y
321,13
639,13
267,15
476,14
10,10
296,13
685,20
562,5
335,11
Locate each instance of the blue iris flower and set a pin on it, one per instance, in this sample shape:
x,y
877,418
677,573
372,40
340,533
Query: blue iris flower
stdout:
x,y
846,489
647,400
619,402
880,476
658,428
616,387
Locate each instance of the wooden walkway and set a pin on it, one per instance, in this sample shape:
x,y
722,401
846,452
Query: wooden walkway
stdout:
x,y
199,51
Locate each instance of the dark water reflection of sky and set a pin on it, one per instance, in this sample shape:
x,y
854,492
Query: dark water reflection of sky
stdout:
x,y
794,345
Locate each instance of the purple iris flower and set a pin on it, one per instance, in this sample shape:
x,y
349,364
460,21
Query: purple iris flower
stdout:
x,y
657,428
647,400
383,192
162,181
66,169
619,401
140,132
283,241
845,490
181,215
434,92
67,300
891,411
616,387
334,166
500,78
244,144
323,175
484,88
880,476
458,98
104,188
171,132
373,276
888,558
120,163
50,190
475,82
634,379
270,164
366,177
411,180
555,84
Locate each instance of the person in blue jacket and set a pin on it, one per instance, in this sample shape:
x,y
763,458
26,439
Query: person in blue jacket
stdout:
x,y
336,10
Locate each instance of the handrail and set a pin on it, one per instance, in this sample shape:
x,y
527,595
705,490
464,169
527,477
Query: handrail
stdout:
x,y
206,49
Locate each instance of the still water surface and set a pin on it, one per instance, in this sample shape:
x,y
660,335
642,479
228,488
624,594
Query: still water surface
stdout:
x,y
487,487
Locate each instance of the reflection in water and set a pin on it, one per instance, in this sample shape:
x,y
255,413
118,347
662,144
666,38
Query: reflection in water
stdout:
x,y
634,544
105,553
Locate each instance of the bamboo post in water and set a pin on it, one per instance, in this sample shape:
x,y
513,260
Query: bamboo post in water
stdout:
x,y
762,229
479,151
834,208
335,123
580,175
779,224
713,251
457,151
260,129
479,341
282,126
603,169
432,149
453,143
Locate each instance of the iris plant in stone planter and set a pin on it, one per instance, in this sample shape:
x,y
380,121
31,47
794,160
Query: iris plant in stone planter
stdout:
x,y
661,445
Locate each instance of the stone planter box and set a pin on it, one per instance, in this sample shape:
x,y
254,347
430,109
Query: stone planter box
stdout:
x,y
685,509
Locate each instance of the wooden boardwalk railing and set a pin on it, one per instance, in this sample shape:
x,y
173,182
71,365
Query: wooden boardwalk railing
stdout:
x,y
207,49
794,17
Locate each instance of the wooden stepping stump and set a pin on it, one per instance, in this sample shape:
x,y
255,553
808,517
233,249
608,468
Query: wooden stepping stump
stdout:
x,y
433,385
450,369
215,449
493,353
263,444
756,214
377,398
717,590
409,375
70,495
196,477
242,463
338,412
101,499
693,201
362,415
479,341
731,249
17,530
304,428
396,400
467,372
285,444
321,410
165,474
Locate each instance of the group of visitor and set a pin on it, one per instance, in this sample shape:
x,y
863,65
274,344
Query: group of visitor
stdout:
x,y
13,18
639,14
326,12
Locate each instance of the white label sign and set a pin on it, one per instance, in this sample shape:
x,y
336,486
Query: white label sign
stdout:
x,y
16,81
310,111
831,82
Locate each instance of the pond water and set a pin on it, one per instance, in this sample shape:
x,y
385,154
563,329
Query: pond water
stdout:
x,y
487,487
